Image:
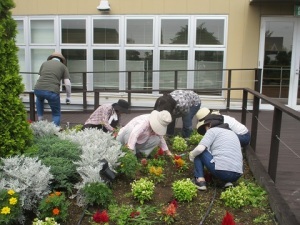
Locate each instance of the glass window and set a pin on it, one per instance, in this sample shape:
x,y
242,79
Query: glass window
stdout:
x,y
76,63
106,60
38,56
106,31
42,31
170,61
21,57
142,62
73,31
211,62
174,31
20,32
139,31
210,32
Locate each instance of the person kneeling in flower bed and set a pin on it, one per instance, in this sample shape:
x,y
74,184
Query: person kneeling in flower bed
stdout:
x,y
145,132
219,151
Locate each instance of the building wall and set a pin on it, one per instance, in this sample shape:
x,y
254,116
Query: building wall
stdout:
x,y
243,21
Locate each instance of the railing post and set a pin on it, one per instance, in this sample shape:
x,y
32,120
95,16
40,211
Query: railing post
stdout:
x,y
31,106
254,122
129,87
258,80
84,87
274,148
176,80
244,107
228,90
96,99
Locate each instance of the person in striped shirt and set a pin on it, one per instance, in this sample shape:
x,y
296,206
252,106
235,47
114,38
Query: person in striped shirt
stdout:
x,y
219,151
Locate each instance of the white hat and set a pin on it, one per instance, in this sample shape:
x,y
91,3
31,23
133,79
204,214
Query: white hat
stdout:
x,y
202,113
159,121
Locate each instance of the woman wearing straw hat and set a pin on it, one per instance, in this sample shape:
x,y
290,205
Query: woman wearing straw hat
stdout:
x,y
107,116
240,129
47,87
145,132
219,151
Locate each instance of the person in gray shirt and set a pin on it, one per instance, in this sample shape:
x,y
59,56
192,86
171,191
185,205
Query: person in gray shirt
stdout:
x,y
47,87
220,152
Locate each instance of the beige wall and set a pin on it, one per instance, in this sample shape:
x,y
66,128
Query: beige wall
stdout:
x,y
243,21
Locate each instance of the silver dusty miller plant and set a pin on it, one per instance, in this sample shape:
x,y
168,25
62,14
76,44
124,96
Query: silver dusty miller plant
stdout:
x,y
96,145
28,177
44,128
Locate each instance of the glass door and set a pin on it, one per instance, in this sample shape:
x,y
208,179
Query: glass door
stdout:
x,y
279,59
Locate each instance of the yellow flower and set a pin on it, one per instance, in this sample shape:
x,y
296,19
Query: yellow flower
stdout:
x,y
10,192
13,201
5,210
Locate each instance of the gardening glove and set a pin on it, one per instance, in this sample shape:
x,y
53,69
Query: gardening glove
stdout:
x,y
68,101
191,156
197,151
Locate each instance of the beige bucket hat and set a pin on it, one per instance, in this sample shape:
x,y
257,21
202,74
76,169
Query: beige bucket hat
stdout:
x,y
57,55
202,113
159,121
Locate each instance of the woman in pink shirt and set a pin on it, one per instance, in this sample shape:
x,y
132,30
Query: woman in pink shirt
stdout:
x,y
145,132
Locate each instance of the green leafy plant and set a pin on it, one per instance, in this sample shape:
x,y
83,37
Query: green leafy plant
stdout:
x,y
245,194
179,144
97,193
47,221
15,135
195,138
142,189
129,164
184,190
59,155
54,205
10,209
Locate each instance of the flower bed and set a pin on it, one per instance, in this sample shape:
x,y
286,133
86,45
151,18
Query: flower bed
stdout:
x,y
157,190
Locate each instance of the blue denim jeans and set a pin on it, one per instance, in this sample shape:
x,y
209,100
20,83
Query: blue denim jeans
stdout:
x,y
205,159
187,123
53,101
244,139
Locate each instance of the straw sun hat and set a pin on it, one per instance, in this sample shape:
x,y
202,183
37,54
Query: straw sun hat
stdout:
x,y
159,121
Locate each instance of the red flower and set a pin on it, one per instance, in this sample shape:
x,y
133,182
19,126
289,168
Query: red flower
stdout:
x,y
175,203
171,210
99,217
134,214
228,219
160,151
176,157
144,162
29,121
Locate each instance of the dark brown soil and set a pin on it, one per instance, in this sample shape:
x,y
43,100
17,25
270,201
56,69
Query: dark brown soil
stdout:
x,y
206,208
